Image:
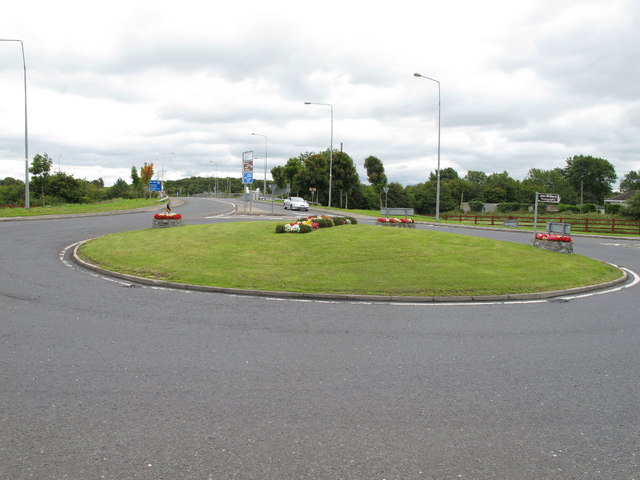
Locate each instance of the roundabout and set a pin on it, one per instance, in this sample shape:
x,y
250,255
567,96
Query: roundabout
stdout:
x,y
102,379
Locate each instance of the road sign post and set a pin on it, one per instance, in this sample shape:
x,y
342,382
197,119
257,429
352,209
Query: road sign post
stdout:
x,y
247,172
544,198
155,185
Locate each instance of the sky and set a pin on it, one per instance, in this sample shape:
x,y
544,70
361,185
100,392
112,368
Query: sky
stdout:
x,y
522,85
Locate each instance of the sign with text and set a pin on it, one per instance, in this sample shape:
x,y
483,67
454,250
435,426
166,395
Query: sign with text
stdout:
x,y
155,185
247,167
549,197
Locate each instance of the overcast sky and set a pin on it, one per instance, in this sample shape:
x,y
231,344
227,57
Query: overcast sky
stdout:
x,y
524,84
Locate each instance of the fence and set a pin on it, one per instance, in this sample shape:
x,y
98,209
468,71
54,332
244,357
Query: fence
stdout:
x,y
588,225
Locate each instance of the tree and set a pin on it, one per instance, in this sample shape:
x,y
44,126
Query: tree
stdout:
x,y
314,174
345,178
375,173
500,187
591,175
40,168
146,174
445,174
476,177
631,181
135,181
549,181
65,187
120,189
11,191
279,175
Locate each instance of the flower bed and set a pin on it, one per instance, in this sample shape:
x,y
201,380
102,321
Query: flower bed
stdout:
x,y
162,220
553,237
397,222
167,216
309,224
554,242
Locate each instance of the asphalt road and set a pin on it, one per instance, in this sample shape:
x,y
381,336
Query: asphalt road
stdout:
x,y
105,379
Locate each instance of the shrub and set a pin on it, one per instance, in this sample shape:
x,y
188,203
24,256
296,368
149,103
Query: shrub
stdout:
x,y
344,221
476,206
304,228
280,229
324,222
612,208
568,208
633,207
511,207
589,208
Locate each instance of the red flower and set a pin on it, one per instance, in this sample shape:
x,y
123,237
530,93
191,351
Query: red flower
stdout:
x,y
167,216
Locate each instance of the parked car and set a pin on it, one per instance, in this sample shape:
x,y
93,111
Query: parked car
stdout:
x,y
296,203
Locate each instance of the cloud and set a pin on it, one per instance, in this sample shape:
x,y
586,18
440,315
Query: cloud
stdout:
x,y
523,84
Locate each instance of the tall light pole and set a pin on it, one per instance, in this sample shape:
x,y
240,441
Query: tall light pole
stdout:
x,y
330,147
26,137
162,166
266,143
438,171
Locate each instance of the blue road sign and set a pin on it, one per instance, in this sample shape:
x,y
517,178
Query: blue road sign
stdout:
x,y
155,185
247,177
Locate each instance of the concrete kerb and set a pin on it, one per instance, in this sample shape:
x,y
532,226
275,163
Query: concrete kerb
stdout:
x,y
343,297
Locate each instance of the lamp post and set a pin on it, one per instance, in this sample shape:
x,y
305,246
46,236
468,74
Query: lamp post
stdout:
x,y
215,162
26,141
162,166
438,170
266,143
330,147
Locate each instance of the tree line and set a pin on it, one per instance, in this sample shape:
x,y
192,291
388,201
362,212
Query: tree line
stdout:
x,y
52,188
583,180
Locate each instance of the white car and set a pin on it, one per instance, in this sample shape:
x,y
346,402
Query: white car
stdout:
x,y
296,203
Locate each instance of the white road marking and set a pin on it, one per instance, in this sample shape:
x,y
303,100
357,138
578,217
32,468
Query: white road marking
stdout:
x,y
633,283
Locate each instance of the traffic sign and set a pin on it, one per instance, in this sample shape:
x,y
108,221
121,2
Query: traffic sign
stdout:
x,y
549,197
155,185
247,177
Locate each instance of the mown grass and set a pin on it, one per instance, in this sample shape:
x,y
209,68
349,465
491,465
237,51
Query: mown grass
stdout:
x,y
69,208
353,259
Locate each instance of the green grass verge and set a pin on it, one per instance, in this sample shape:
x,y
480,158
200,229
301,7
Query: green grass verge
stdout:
x,y
110,205
353,259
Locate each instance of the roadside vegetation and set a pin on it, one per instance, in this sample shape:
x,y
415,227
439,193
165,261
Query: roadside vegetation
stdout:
x,y
583,183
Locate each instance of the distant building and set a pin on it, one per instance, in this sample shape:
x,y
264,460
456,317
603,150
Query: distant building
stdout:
x,y
622,198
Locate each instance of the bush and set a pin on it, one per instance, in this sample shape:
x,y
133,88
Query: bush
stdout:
x,y
633,207
589,208
612,208
304,228
324,222
280,229
568,208
344,221
512,207
476,206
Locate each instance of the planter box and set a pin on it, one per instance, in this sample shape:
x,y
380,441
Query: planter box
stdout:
x,y
560,247
404,225
165,222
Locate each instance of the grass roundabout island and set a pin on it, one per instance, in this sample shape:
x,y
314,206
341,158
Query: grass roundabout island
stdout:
x,y
352,260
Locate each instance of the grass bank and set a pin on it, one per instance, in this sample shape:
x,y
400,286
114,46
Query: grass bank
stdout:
x,y
353,259
70,208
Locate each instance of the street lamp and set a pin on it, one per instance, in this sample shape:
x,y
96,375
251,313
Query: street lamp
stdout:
x,y
266,141
330,147
26,141
162,166
438,170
